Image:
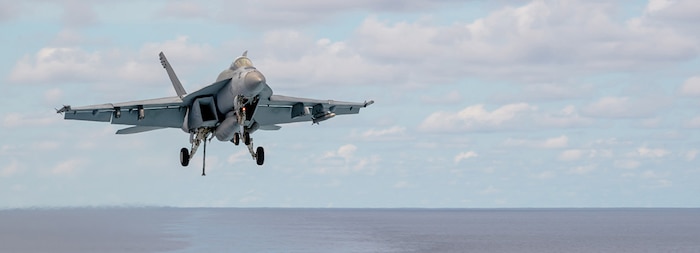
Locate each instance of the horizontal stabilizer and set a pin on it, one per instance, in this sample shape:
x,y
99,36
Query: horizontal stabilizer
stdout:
x,y
137,129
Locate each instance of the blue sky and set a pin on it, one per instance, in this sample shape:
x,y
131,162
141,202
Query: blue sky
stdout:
x,y
506,103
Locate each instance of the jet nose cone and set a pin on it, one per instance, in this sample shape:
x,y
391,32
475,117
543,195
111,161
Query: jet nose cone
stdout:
x,y
254,81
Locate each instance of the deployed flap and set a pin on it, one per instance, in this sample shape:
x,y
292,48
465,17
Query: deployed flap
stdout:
x,y
137,129
173,78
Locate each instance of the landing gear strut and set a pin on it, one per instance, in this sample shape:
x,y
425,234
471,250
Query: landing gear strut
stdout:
x,y
257,154
196,139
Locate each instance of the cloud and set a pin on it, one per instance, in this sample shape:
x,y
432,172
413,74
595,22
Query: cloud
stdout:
x,y
184,10
672,11
693,123
571,155
651,152
527,42
402,184
299,52
10,169
519,116
465,155
242,155
68,166
452,97
624,107
345,160
52,96
476,118
279,13
51,65
627,164
9,10
691,87
547,92
78,13
691,155
392,133
556,142
46,145
17,120
583,169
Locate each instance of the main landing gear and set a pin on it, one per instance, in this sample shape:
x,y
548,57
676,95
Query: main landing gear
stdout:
x,y
204,135
258,154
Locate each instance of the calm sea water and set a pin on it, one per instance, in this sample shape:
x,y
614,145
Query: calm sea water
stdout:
x,y
349,230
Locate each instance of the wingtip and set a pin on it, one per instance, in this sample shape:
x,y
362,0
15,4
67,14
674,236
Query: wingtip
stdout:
x,y
368,103
63,109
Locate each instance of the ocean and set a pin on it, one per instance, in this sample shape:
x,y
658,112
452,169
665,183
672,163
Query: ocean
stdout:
x,y
348,230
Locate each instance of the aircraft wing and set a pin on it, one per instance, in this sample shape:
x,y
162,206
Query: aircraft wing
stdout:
x,y
152,113
284,109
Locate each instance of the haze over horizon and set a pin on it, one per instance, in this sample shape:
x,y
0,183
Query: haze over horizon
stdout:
x,y
479,104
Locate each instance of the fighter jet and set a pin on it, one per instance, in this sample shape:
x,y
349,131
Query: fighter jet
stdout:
x,y
230,109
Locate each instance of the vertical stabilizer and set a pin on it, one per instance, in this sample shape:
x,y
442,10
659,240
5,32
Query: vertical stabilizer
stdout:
x,y
173,78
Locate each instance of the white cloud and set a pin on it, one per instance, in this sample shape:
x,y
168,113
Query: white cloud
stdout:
x,y
240,156
345,160
555,142
68,166
465,155
627,164
402,184
45,145
651,152
184,10
284,63
520,116
10,169
476,118
525,43
489,190
51,65
693,123
624,107
545,175
672,11
452,97
16,120
547,92
53,96
583,169
279,13
8,10
571,155
691,87
384,134
691,155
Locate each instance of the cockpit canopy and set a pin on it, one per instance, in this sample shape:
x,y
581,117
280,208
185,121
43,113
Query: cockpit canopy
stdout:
x,y
241,62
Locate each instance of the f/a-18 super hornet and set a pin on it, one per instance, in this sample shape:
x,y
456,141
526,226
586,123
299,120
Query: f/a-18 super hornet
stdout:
x,y
230,109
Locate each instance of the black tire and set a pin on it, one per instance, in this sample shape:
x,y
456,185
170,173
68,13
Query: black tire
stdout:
x,y
260,156
246,138
184,157
236,139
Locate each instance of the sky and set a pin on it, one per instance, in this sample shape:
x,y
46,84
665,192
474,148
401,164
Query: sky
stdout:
x,y
479,104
